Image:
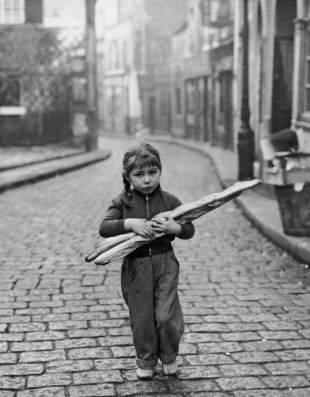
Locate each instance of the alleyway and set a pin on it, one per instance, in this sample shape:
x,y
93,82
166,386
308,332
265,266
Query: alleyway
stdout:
x,y
64,326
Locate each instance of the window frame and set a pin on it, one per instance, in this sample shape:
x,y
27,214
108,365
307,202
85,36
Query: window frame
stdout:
x,y
12,12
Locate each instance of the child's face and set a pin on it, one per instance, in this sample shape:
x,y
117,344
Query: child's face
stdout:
x,y
145,179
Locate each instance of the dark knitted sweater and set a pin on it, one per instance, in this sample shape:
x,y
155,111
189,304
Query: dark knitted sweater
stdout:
x,y
143,206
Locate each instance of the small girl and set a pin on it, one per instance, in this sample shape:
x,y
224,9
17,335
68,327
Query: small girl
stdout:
x,y
149,278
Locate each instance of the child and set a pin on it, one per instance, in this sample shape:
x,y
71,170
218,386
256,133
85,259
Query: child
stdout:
x,y
149,277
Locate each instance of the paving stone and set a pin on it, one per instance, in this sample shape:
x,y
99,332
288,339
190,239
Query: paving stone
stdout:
x,y
8,358
69,366
86,333
3,327
185,386
48,318
67,296
31,346
95,352
187,348
30,327
198,372
116,341
21,369
209,327
11,337
274,393
115,363
208,359
242,327
47,335
241,336
107,323
15,319
280,335
282,382
47,380
220,347
201,337
289,355
123,351
282,325
235,383
3,347
139,388
262,345
102,390
296,344
75,343
7,383
42,356
242,370
6,394
43,392
254,357
96,377
289,368
66,325
70,309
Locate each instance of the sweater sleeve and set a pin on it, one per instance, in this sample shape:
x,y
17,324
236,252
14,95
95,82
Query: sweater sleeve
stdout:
x,y
188,229
113,223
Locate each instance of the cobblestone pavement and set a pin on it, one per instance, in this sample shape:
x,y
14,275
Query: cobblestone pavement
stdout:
x,y
64,327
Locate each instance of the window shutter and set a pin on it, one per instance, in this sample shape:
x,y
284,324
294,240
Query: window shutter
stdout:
x,y
34,11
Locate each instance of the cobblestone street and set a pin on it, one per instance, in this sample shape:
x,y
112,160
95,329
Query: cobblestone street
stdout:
x,y
64,328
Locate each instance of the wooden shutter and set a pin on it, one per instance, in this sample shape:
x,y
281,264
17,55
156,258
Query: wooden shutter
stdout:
x,y
33,11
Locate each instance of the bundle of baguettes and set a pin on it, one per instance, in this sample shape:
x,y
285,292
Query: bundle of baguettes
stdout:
x,y
114,248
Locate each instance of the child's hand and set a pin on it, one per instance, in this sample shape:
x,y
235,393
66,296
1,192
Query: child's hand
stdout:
x,y
166,224
140,226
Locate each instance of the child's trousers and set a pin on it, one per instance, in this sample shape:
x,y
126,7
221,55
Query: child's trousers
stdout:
x,y
149,287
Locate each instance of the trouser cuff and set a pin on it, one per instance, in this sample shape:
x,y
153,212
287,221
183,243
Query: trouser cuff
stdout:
x,y
168,359
146,363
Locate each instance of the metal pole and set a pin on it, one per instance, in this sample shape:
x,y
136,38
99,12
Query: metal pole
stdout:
x,y
92,123
245,134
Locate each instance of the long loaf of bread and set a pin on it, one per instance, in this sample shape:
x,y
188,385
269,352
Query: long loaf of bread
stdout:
x,y
114,248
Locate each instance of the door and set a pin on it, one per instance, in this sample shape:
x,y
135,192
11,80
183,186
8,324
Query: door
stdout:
x,y
152,114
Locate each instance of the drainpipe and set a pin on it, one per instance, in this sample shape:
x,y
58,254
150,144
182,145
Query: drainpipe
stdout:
x,y
245,134
92,125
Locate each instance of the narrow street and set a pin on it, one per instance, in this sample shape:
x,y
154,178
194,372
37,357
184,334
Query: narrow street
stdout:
x,y
64,328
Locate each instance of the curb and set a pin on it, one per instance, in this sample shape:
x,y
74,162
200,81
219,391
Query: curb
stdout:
x,y
42,160
298,249
51,168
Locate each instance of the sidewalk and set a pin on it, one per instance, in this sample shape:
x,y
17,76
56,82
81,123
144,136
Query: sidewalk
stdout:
x,y
19,166
258,204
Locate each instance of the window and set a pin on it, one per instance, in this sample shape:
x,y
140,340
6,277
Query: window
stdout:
x,y
12,11
215,12
178,103
9,90
113,55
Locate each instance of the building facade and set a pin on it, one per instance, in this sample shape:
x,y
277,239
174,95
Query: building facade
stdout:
x,y
202,70
37,90
278,64
137,65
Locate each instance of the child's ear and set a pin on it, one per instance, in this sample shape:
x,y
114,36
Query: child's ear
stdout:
x,y
125,177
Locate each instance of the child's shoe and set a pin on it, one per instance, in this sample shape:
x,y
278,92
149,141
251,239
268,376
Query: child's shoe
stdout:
x,y
145,373
170,369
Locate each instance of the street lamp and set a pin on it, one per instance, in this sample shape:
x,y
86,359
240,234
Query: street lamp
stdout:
x,y
245,134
